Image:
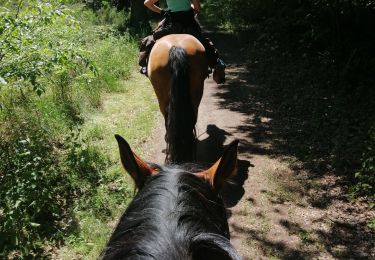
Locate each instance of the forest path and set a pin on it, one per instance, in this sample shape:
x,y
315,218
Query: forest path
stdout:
x,y
276,209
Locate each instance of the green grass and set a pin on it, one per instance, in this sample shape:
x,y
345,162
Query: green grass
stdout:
x,y
128,107
132,114
95,222
112,63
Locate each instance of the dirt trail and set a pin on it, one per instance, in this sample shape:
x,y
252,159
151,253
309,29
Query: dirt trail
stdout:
x,y
275,208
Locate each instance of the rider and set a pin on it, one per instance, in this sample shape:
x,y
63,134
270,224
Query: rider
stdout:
x,y
180,18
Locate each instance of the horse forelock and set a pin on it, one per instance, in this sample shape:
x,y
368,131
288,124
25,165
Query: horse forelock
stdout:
x,y
166,215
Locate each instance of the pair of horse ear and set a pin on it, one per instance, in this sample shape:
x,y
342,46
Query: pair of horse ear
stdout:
x,y
216,176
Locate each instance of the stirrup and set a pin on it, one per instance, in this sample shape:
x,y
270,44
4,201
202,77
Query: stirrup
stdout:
x,y
143,70
220,63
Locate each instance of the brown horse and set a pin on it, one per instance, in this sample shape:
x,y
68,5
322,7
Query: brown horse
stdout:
x,y
177,69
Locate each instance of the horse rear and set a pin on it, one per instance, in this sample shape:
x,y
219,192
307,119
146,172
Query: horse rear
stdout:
x,y
177,69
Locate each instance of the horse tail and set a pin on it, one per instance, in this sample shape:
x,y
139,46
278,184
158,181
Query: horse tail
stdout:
x,y
180,118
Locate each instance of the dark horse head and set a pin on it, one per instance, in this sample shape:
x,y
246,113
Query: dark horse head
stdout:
x,y
177,212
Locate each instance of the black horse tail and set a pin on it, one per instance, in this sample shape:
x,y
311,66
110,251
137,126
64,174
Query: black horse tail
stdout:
x,y
180,118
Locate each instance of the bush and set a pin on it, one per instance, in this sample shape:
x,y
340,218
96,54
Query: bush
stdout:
x,y
53,70
27,195
366,175
35,44
38,183
113,60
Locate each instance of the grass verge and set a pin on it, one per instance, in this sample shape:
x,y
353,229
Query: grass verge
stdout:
x,y
65,82
132,114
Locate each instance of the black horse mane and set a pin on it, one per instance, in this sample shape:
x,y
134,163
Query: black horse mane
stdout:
x,y
174,216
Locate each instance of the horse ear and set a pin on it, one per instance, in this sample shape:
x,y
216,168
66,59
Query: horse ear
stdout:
x,y
138,169
213,246
223,169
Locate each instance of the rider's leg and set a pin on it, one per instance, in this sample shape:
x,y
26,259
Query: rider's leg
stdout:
x,y
148,42
213,60
144,51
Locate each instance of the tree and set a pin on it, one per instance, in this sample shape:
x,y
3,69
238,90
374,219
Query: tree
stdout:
x,y
139,15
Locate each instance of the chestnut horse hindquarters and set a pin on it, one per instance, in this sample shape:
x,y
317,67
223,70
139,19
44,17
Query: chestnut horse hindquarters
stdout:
x,y
159,70
160,74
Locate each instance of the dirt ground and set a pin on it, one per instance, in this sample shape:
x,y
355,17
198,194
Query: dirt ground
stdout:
x,y
276,208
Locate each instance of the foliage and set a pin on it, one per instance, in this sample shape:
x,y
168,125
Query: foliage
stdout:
x,y
137,16
372,224
38,186
112,62
26,180
105,15
33,44
55,64
366,175
100,4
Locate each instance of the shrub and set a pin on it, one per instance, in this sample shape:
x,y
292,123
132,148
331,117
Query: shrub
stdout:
x,y
38,183
366,175
53,70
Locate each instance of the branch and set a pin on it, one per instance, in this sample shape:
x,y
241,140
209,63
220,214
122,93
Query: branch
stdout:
x,y
19,8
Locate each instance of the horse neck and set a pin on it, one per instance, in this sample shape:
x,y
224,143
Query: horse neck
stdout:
x,y
166,214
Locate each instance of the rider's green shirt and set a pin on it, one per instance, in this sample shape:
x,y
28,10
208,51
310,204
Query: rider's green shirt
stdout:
x,y
178,5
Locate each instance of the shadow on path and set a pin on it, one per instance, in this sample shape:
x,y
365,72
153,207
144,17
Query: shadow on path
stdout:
x,y
209,150
267,132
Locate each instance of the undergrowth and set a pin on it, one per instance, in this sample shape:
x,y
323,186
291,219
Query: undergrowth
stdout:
x,y
56,62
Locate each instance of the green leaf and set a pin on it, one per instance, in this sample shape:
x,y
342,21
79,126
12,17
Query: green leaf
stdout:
x,y
17,203
3,81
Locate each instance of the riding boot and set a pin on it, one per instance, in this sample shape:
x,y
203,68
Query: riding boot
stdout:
x,y
219,71
214,62
143,62
144,51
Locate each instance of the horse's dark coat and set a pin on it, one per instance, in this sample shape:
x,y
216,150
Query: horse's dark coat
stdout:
x,y
175,215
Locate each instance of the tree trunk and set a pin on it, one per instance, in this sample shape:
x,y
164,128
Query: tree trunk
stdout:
x,y
138,15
